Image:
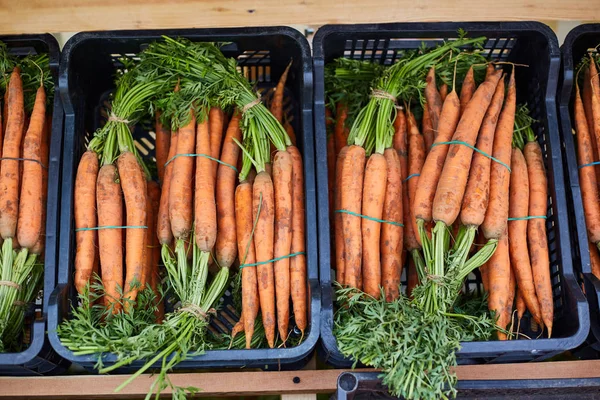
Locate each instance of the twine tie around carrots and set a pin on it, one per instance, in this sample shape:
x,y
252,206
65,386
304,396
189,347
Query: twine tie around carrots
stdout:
x,y
11,284
383,221
97,228
196,311
528,218
256,264
113,118
251,104
382,94
23,159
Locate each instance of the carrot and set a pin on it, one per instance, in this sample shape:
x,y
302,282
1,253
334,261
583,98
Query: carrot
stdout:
x,y
443,92
520,303
432,168
9,169
298,273
340,257
453,179
165,234
282,186
434,100
485,276
205,208
467,90
536,231
587,105
428,134
499,284
29,223
180,188
277,101
331,158
263,197
5,108
216,119
85,217
352,177
374,185
340,132
595,97
244,222
151,261
594,260
392,235
237,328
133,183
512,286
163,142
517,232
476,198
416,159
38,248
289,129
496,214
225,246
587,176
109,201
400,142
412,277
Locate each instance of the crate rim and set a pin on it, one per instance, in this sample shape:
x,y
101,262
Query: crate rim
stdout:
x,y
430,29
213,357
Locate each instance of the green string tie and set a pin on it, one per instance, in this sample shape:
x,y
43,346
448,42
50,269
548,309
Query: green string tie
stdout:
x,y
369,218
202,155
528,217
97,228
411,176
589,164
474,148
273,260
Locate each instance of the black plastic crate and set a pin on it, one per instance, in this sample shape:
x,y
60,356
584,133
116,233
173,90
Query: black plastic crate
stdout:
x,y
530,43
367,386
87,70
573,49
39,358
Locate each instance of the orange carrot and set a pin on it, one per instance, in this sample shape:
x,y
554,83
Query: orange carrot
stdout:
x,y
496,214
338,219
499,284
587,105
165,234
340,132
133,183
587,176
216,118
154,249
298,272
205,208
180,188
517,231
443,91
595,102
434,100
282,186
9,169
594,260
110,213
244,222
289,129
375,181
520,303
151,262
225,247
428,134
476,198
416,159
467,90
432,168
277,101
85,217
352,177
392,235
536,231
453,179
29,223
38,248
163,141
264,216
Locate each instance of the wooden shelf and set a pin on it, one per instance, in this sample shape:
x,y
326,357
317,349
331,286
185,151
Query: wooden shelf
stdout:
x,y
36,16
264,383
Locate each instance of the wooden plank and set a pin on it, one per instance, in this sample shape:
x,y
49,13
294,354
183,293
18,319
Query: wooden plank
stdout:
x,y
263,383
34,16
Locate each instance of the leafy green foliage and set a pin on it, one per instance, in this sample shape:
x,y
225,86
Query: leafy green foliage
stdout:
x,y
415,349
523,130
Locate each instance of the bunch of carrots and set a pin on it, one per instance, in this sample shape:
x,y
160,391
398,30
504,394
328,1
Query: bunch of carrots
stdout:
x,y
397,190
24,146
586,113
219,200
